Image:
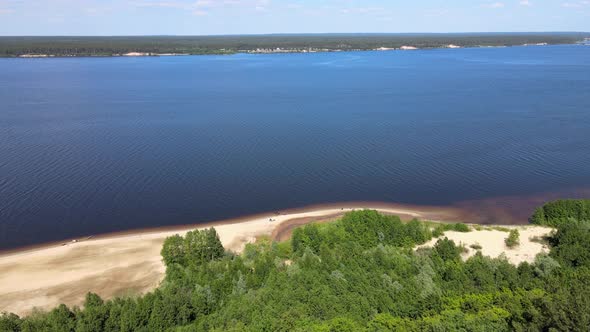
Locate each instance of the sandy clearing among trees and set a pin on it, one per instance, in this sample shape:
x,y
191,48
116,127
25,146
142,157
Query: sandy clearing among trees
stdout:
x,y
491,240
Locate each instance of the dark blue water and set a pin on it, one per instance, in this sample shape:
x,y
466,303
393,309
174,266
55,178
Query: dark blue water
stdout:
x,y
94,145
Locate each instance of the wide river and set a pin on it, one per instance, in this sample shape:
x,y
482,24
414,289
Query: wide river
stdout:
x,y
95,145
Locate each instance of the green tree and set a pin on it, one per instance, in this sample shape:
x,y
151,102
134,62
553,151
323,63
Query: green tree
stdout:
x,y
61,319
10,322
447,250
173,250
571,243
561,211
203,246
94,315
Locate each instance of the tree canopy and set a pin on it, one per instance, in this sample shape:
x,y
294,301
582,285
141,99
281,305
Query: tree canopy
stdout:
x,y
360,273
561,211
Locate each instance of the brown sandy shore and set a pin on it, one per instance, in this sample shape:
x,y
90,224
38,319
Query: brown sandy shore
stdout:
x,y
130,263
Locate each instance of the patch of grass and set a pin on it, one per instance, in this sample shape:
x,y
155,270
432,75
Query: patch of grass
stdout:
x,y
460,227
438,231
263,239
476,246
501,229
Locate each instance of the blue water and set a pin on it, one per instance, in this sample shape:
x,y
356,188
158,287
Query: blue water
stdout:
x,y
94,145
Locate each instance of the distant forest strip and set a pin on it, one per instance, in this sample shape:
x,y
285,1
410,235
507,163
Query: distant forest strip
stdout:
x,y
111,46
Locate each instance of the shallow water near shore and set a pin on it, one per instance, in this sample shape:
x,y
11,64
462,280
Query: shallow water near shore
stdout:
x,y
91,146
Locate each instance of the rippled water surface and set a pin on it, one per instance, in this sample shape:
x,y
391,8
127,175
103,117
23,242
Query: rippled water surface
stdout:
x,y
94,145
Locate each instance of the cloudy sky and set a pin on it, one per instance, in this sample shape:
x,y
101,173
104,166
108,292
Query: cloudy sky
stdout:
x,y
205,17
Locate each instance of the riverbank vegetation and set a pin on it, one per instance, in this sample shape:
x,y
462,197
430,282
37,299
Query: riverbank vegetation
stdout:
x,y
111,46
360,273
561,212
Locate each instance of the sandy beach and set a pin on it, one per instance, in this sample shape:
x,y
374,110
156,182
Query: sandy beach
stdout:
x,y
130,263
492,243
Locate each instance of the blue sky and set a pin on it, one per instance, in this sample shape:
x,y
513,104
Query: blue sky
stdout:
x,y
205,17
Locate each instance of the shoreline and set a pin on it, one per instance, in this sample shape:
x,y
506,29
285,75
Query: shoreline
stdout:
x,y
282,51
496,210
411,211
129,263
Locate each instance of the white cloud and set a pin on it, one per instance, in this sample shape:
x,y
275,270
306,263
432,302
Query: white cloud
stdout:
x,y
204,7
525,3
96,11
203,3
163,4
198,12
437,13
7,6
570,5
262,5
578,4
361,10
494,5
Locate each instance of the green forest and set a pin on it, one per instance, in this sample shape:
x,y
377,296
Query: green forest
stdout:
x,y
109,46
360,273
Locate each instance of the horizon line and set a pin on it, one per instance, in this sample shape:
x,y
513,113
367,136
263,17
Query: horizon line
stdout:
x,y
316,34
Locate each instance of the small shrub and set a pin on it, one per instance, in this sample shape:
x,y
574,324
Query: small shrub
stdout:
x,y
513,239
463,248
441,228
539,239
476,246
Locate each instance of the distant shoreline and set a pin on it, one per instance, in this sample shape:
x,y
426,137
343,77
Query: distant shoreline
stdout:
x,y
274,51
114,46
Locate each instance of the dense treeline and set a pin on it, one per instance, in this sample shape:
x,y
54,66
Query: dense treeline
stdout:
x,y
561,211
107,46
358,274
